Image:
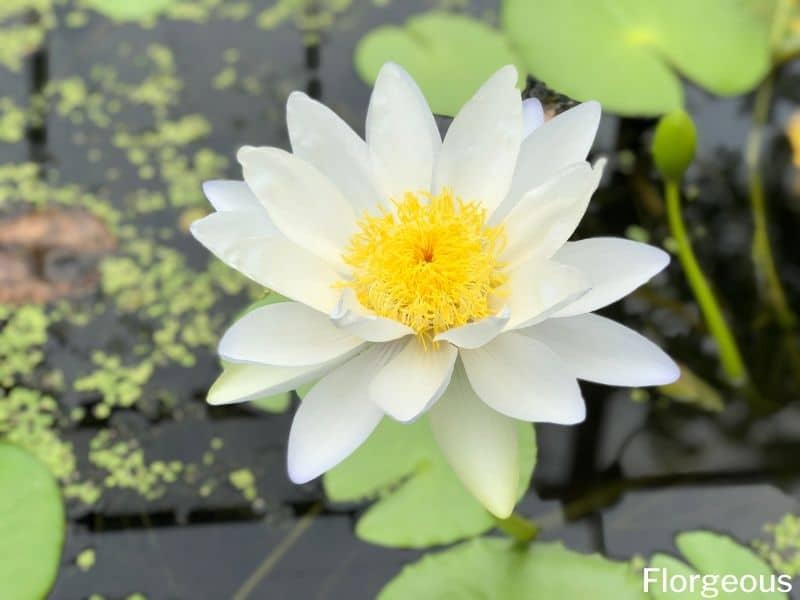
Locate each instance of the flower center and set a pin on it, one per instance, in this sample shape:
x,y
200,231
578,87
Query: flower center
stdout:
x,y
432,264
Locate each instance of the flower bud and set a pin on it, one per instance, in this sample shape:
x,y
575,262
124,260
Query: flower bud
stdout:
x,y
674,144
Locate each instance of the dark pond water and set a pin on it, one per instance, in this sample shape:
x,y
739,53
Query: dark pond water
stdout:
x,y
135,117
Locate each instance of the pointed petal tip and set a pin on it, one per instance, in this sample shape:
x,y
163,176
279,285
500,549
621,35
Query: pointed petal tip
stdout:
x,y
218,395
511,72
671,374
299,475
393,68
295,98
500,508
244,153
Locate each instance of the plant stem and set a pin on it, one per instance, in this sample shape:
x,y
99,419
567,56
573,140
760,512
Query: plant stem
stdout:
x,y
522,530
729,354
766,272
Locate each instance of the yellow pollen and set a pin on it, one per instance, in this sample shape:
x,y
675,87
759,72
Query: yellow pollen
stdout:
x,y
431,264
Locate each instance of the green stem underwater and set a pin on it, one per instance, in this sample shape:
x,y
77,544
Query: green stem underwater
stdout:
x,y
730,357
523,531
767,277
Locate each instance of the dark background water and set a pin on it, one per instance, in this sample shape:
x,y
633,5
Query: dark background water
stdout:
x,y
623,483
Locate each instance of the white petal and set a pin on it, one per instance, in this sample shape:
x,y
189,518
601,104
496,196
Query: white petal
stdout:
x,y
475,335
522,378
285,334
479,443
319,136
358,321
401,133
480,149
532,116
303,203
242,383
413,379
539,287
220,230
615,267
601,350
230,195
546,217
333,419
250,243
561,141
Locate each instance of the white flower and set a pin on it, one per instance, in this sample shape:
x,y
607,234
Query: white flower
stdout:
x,y
427,276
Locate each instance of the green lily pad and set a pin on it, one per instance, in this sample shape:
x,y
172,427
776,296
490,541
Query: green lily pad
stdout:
x,y
628,54
450,56
278,403
129,10
710,553
490,568
421,501
32,526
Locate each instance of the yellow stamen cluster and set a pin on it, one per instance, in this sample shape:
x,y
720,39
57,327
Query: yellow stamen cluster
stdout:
x,y
431,264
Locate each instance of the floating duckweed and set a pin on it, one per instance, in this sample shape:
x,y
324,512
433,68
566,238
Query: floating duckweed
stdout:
x,y
20,35
118,385
23,184
126,468
85,559
28,418
782,550
171,133
310,16
207,489
13,121
252,85
76,19
24,332
224,79
202,12
154,281
244,481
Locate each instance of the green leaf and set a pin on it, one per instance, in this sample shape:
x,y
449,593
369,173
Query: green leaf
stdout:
x,y
31,527
490,568
129,10
628,54
714,554
274,404
666,563
449,56
421,501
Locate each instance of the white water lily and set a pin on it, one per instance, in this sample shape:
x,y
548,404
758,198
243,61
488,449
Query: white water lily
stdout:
x,y
427,276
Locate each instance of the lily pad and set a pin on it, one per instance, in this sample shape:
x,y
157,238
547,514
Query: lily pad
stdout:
x,y
126,10
450,56
278,403
32,527
714,554
629,54
492,568
420,500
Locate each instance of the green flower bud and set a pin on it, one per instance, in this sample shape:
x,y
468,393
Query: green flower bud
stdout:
x,y
674,144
